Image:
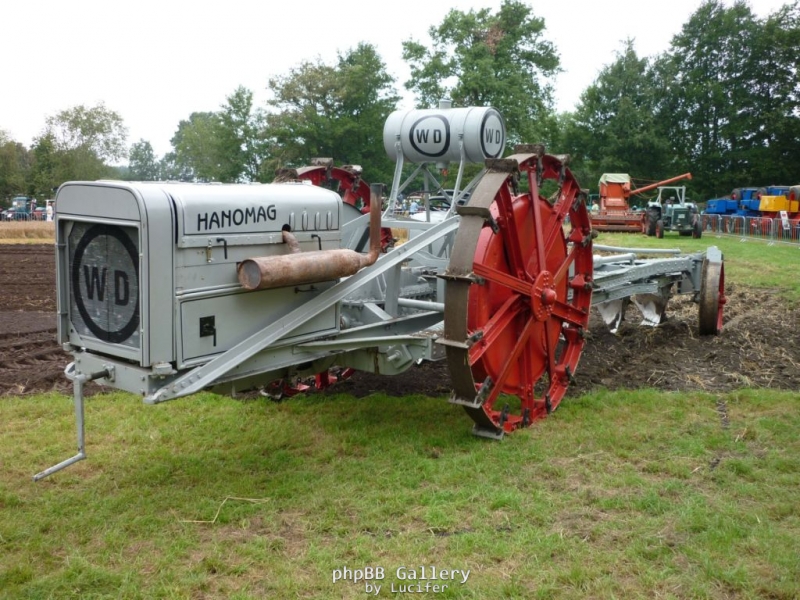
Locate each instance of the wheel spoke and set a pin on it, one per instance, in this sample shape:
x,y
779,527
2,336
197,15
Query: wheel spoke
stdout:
x,y
568,313
495,276
505,208
564,268
562,207
551,231
495,327
538,229
550,351
566,198
497,386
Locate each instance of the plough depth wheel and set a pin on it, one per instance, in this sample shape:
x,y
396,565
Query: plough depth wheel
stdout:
x,y
518,294
712,297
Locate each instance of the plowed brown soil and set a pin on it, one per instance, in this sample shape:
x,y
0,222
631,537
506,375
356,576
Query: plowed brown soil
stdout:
x,y
759,346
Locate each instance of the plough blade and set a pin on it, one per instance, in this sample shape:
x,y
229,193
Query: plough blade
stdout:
x,y
613,312
653,308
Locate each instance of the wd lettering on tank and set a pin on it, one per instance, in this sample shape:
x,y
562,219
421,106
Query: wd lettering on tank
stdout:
x,y
105,282
493,135
431,136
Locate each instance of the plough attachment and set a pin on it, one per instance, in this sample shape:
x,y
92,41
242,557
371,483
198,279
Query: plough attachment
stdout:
x,y
621,278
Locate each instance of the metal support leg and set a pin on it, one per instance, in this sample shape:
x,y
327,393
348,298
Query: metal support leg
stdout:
x,y
78,382
392,290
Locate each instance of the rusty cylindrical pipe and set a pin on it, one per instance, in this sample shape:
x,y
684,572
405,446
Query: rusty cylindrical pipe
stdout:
x,y
266,272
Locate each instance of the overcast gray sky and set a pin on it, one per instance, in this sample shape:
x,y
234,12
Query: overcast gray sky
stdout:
x,y
156,61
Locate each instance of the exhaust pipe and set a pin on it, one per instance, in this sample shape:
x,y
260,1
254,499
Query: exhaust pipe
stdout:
x,y
300,268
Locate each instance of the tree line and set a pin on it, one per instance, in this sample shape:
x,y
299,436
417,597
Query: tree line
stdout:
x,y
723,102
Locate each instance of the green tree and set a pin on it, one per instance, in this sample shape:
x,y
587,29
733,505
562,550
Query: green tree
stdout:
x,y
228,145
197,146
44,174
92,130
52,166
14,167
335,111
613,128
170,169
242,145
485,59
76,144
143,164
723,103
730,96
775,116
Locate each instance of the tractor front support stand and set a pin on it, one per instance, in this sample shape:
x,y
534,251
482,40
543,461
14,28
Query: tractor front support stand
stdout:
x,y
78,381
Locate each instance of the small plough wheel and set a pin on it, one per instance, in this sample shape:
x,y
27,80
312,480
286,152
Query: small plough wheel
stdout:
x,y
518,293
712,297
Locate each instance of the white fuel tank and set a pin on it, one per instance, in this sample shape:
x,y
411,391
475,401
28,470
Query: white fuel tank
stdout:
x,y
436,135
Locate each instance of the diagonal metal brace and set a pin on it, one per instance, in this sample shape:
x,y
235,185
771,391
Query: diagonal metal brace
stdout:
x,y
205,375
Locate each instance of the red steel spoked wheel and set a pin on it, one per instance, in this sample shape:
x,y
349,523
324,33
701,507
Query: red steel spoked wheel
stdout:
x,y
518,292
347,181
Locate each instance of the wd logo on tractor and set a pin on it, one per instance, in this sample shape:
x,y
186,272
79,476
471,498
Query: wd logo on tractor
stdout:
x,y
104,282
430,136
493,135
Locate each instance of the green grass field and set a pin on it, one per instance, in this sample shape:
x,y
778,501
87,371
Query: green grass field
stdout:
x,y
629,494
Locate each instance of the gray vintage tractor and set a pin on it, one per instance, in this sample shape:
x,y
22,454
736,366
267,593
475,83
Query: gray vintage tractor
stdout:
x,y
166,289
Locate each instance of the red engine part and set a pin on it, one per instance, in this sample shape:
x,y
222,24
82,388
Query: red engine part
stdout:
x,y
286,388
283,388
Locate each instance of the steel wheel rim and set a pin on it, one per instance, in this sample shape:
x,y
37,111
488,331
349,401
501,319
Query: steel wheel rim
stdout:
x,y
514,327
712,298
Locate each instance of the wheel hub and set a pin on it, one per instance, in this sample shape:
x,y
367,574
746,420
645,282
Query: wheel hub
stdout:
x,y
543,296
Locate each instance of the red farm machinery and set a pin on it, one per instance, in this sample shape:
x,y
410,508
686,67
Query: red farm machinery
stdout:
x,y
167,289
614,211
